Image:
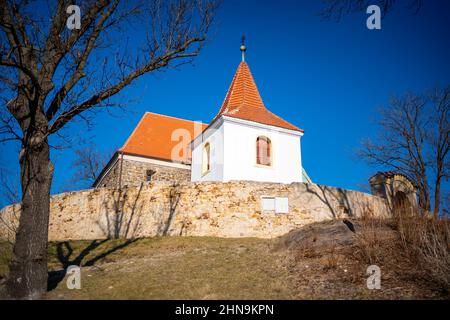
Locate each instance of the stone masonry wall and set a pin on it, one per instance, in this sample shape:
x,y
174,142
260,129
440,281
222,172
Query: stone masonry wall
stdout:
x,y
193,209
111,179
134,173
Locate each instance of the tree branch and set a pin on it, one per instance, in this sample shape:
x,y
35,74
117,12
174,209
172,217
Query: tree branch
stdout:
x,y
96,99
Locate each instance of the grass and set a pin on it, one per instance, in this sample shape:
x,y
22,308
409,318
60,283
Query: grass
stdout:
x,y
5,257
321,261
175,268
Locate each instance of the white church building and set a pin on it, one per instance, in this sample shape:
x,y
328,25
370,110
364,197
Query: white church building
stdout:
x,y
244,141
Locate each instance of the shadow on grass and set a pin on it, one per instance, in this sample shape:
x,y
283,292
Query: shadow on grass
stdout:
x,y
120,223
64,252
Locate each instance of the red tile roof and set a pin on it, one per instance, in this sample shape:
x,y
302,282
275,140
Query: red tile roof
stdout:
x,y
243,101
152,137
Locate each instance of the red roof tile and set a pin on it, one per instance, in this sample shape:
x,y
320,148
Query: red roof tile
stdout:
x,y
152,137
243,101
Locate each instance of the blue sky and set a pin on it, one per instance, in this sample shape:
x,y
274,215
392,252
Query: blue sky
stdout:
x,y
325,77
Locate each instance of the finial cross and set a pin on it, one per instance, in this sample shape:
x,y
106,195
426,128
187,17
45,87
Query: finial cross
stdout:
x,y
243,48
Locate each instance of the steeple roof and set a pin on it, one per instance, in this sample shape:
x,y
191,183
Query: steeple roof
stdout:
x,y
243,101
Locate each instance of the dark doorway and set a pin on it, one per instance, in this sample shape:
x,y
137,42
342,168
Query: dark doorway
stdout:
x,y
401,202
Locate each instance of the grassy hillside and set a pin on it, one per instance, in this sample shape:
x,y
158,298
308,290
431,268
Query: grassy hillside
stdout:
x,y
324,260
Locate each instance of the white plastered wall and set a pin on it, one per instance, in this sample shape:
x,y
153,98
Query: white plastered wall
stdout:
x,y
233,153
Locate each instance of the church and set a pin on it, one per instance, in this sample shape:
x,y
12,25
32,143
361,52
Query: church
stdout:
x,y
244,141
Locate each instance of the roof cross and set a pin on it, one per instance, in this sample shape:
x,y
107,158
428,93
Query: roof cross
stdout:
x,y
243,48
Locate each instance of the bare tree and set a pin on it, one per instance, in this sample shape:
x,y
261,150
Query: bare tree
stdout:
x,y
439,139
88,164
335,9
414,139
51,76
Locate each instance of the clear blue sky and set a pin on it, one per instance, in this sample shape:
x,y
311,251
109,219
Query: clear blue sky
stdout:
x,y
325,77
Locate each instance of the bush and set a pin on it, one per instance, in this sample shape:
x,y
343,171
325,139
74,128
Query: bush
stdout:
x,y
408,236
426,241
373,238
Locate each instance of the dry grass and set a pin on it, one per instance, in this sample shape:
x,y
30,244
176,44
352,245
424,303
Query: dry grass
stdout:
x,y
332,258
325,260
375,239
331,262
427,242
416,246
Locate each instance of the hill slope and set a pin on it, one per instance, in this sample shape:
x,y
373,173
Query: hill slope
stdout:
x,y
322,260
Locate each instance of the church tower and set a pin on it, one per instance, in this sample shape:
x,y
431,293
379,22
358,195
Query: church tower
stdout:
x,y
245,141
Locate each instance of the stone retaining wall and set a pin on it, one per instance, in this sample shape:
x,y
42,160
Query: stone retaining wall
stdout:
x,y
193,209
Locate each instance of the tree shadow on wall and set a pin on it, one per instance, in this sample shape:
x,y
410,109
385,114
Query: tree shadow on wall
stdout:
x,y
174,199
118,225
332,197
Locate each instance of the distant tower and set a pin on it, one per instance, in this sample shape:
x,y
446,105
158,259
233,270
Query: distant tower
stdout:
x,y
243,48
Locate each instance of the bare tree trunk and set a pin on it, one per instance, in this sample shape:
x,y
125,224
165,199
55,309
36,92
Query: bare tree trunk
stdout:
x,y
424,193
437,197
426,202
28,277
44,70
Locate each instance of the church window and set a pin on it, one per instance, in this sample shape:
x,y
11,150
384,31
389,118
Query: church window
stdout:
x,y
149,174
263,151
206,158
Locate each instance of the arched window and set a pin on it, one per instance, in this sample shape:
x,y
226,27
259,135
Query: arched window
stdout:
x,y
206,158
263,151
